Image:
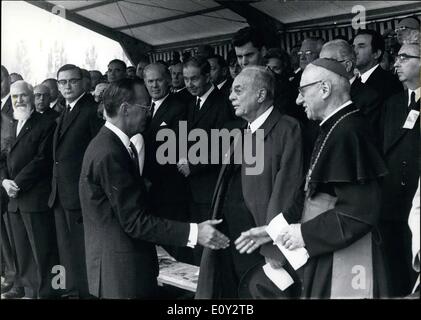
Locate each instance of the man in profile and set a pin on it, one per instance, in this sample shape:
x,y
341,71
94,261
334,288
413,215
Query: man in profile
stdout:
x,y
120,228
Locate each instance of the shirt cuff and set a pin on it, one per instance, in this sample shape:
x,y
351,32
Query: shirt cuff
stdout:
x,y
193,234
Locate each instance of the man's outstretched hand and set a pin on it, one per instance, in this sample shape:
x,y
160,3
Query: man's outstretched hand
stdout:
x,y
252,239
211,238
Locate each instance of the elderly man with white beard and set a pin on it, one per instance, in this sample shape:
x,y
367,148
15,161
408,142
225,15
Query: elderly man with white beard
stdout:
x,y
27,184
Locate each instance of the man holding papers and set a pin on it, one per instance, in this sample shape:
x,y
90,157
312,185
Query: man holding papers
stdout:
x,y
342,206
245,198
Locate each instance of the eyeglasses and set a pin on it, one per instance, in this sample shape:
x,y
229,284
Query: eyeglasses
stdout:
x,y
138,105
39,95
404,57
305,53
300,89
400,29
71,81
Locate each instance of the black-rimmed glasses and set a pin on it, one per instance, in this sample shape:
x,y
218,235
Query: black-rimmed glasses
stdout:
x,y
300,89
404,57
73,81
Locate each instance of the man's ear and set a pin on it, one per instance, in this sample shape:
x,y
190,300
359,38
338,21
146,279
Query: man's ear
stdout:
x,y
262,95
349,66
326,87
377,54
123,109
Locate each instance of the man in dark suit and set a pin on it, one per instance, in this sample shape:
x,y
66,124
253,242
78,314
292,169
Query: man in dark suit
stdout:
x,y
56,103
120,228
28,186
169,191
247,200
76,127
8,252
401,147
6,102
363,96
369,49
208,111
220,75
177,80
42,98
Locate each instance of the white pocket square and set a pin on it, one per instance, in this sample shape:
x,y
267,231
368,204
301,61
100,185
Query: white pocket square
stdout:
x,y
163,124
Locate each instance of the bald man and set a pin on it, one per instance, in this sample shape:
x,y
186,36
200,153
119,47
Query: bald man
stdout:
x,y
309,51
249,201
28,185
342,188
401,142
42,99
338,218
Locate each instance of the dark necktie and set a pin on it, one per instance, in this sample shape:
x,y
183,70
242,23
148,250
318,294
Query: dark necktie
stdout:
x,y
413,105
198,104
196,109
152,109
66,113
134,155
65,118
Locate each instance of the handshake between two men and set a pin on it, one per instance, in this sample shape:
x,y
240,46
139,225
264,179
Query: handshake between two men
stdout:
x,y
250,240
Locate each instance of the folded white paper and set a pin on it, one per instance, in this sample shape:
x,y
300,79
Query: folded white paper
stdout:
x,y
163,124
297,257
279,277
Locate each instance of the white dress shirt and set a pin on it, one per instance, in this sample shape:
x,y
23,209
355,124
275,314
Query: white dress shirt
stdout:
x,y
53,103
205,96
221,84
194,230
417,95
158,104
336,111
257,123
367,74
72,104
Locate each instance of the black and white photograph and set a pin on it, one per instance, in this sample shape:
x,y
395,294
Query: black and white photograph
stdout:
x,y
201,151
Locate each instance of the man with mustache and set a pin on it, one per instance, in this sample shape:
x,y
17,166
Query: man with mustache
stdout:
x,y
42,102
28,186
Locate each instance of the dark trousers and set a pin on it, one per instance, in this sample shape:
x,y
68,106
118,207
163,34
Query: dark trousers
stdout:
x,y
199,212
396,243
36,251
71,247
8,252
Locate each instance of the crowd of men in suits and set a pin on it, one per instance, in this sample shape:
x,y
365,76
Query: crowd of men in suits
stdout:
x,y
82,187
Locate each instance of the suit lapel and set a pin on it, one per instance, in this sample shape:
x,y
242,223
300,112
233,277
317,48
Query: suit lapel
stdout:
x,y
25,129
157,119
71,117
270,122
398,114
228,160
205,107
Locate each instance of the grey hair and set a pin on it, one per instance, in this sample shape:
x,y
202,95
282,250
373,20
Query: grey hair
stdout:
x,y
342,48
28,86
261,78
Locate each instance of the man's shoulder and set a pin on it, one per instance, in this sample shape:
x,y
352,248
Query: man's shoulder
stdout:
x,y
285,122
175,102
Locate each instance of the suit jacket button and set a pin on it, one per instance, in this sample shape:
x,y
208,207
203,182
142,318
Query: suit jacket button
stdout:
x,y
403,183
56,162
404,163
